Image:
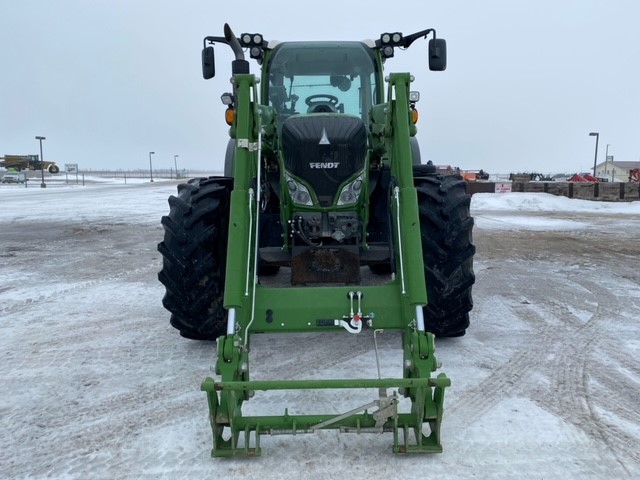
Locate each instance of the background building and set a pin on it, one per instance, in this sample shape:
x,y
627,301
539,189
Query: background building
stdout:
x,y
615,171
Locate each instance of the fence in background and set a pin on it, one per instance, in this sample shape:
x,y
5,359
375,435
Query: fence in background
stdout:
x,y
604,191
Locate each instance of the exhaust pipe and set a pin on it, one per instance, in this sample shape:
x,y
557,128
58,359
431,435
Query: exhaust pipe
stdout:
x,y
239,65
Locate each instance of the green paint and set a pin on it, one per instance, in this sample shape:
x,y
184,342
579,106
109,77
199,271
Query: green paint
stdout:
x,y
308,309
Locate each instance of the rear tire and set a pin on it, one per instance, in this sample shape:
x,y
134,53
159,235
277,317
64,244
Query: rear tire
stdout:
x,y
229,156
446,226
194,251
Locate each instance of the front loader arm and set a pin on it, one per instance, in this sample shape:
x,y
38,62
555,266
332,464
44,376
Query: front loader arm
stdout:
x,y
405,211
239,255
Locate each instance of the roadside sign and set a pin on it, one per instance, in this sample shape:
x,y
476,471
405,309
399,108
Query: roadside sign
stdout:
x,y
609,158
71,167
503,188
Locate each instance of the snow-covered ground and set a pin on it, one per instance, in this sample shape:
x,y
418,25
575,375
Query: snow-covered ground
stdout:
x,y
541,202
96,384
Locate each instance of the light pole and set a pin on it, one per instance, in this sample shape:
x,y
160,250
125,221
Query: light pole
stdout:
x,y
175,164
595,158
151,165
606,159
42,185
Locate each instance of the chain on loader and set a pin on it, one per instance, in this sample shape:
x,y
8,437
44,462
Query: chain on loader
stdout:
x,y
323,187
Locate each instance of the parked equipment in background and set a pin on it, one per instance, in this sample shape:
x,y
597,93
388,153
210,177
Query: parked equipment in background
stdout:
x,y
27,162
585,177
530,177
475,175
322,187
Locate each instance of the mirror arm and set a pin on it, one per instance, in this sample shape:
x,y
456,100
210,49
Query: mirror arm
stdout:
x,y
409,39
213,40
228,39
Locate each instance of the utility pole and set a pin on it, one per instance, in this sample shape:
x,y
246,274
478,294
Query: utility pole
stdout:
x,y
595,158
42,185
151,166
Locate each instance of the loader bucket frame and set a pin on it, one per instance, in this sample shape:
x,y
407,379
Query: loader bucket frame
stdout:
x,y
256,308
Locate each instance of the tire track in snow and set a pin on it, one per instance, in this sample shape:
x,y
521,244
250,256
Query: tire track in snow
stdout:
x,y
569,397
76,235
572,344
505,379
57,294
571,374
98,417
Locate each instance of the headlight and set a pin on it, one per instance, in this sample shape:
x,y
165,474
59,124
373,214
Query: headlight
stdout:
x,y
299,193
351,192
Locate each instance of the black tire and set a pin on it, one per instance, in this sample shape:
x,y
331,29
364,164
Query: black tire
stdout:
x,y
446,226
415,151
194,251
229,156
53,169
422,170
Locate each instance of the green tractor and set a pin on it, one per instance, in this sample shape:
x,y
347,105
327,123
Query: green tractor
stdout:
x,y
325,220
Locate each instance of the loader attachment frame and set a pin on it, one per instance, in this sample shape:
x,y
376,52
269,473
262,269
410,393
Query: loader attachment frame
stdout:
x,y
352,309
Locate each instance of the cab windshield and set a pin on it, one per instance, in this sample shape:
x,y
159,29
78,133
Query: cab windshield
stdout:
x,y
322,77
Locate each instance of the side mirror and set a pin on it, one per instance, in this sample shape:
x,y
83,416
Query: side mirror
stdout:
x,y
437,54
208,63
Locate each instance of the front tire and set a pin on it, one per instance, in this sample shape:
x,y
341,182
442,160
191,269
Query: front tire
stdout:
x,y
446,227
194,251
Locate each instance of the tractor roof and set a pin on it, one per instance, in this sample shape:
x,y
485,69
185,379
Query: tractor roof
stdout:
x,y
310,58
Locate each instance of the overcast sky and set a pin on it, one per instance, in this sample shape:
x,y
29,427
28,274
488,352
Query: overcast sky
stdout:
x,y
107,81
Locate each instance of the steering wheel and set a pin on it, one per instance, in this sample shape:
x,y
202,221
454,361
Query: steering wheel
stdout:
x,y
321,98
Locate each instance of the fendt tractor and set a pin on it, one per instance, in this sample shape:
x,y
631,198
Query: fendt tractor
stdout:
x,y
323,187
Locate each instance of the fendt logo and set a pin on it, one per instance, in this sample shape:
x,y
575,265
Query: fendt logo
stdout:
x,y
324,165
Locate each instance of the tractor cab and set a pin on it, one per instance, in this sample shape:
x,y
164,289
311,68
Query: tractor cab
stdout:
x,y
321,77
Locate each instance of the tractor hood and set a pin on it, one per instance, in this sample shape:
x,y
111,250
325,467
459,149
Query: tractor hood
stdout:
x,y
324,150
